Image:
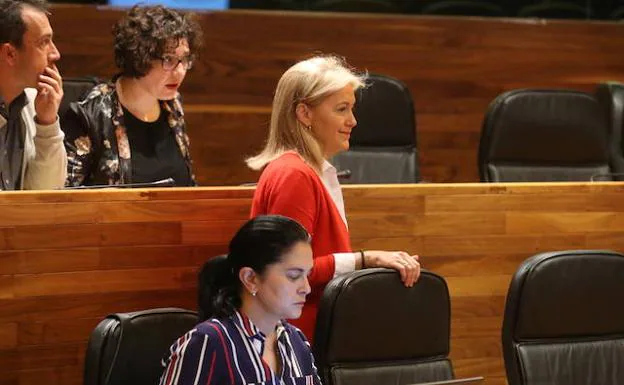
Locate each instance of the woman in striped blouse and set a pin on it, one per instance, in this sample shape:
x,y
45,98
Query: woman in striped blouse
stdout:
x,y
246,297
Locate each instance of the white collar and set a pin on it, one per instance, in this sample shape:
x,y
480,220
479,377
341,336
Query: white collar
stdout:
x,y
327,167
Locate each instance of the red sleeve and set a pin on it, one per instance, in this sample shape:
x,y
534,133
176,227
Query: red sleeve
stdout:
x,y
294,193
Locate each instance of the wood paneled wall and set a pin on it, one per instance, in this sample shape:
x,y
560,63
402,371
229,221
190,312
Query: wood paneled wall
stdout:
x,y
69,258
454,67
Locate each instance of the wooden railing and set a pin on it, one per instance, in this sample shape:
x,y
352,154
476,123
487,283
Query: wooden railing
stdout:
x,y
67,259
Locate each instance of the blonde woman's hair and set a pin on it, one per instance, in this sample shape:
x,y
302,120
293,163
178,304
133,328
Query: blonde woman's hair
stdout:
x,y
310,82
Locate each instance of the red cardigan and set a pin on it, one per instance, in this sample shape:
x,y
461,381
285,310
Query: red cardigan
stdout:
x,y
288,186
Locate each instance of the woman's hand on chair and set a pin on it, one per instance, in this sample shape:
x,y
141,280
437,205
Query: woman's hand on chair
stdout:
x,y
407,265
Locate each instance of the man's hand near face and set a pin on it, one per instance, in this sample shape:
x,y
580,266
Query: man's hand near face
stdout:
x,y
49,95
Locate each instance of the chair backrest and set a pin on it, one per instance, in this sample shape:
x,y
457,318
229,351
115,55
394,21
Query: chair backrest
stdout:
x,y
74,90
127,348
556,10
463,8
611,97
370,6
617,14
373,330
383,144
564,320
543,135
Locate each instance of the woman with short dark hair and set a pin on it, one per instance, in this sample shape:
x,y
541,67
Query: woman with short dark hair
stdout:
x,y
132,129
245,299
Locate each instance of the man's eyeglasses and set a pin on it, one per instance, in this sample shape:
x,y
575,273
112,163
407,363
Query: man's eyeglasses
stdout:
x,y
171,62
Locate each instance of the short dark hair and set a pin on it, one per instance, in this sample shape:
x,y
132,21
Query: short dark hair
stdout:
x,y
146,33
12,26
260,242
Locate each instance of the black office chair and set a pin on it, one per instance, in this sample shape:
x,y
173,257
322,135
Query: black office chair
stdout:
x,y
267,4
463,8
611,97
373,330
127,348
544,135
564,320
617,14
556,10
74,90
366,6
383,145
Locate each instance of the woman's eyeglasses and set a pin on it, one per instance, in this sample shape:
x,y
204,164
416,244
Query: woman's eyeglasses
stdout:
x,y
171,62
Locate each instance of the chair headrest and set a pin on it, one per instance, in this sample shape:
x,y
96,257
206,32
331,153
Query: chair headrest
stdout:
x,y
126,348
74,90
611,96
413,322
567,294
384,110
540,126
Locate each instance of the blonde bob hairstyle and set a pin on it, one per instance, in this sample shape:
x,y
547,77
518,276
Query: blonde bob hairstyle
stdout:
x,y
309,82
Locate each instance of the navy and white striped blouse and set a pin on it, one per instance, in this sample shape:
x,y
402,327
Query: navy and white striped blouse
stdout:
x,y
229,352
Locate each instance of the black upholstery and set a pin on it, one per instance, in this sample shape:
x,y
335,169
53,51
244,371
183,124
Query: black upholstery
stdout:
x,y
556,10
383,144
543,135
463,8
74,90
611,97
564,320
127,348
373,330
371,6
617,14
266,4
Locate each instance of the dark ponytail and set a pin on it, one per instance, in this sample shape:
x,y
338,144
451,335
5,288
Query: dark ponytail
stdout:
x,y
217,289
260,242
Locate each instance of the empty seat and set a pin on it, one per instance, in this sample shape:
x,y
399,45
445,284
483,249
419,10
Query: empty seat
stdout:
x,y
617,14
564,320
463,8
127,348
413,327
543,135
611,96
370,6
556,10
267,4
383,144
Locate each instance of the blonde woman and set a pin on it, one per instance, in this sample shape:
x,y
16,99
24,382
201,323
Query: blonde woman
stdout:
x,y
311,121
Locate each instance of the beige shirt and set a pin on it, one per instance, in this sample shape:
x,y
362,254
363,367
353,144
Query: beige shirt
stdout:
x,y
44,165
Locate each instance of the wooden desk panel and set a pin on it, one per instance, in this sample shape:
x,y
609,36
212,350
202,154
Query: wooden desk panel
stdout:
x,y
68,259
454,67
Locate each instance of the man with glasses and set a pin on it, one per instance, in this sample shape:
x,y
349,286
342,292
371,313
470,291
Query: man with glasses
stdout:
x,y
132,129
32,155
